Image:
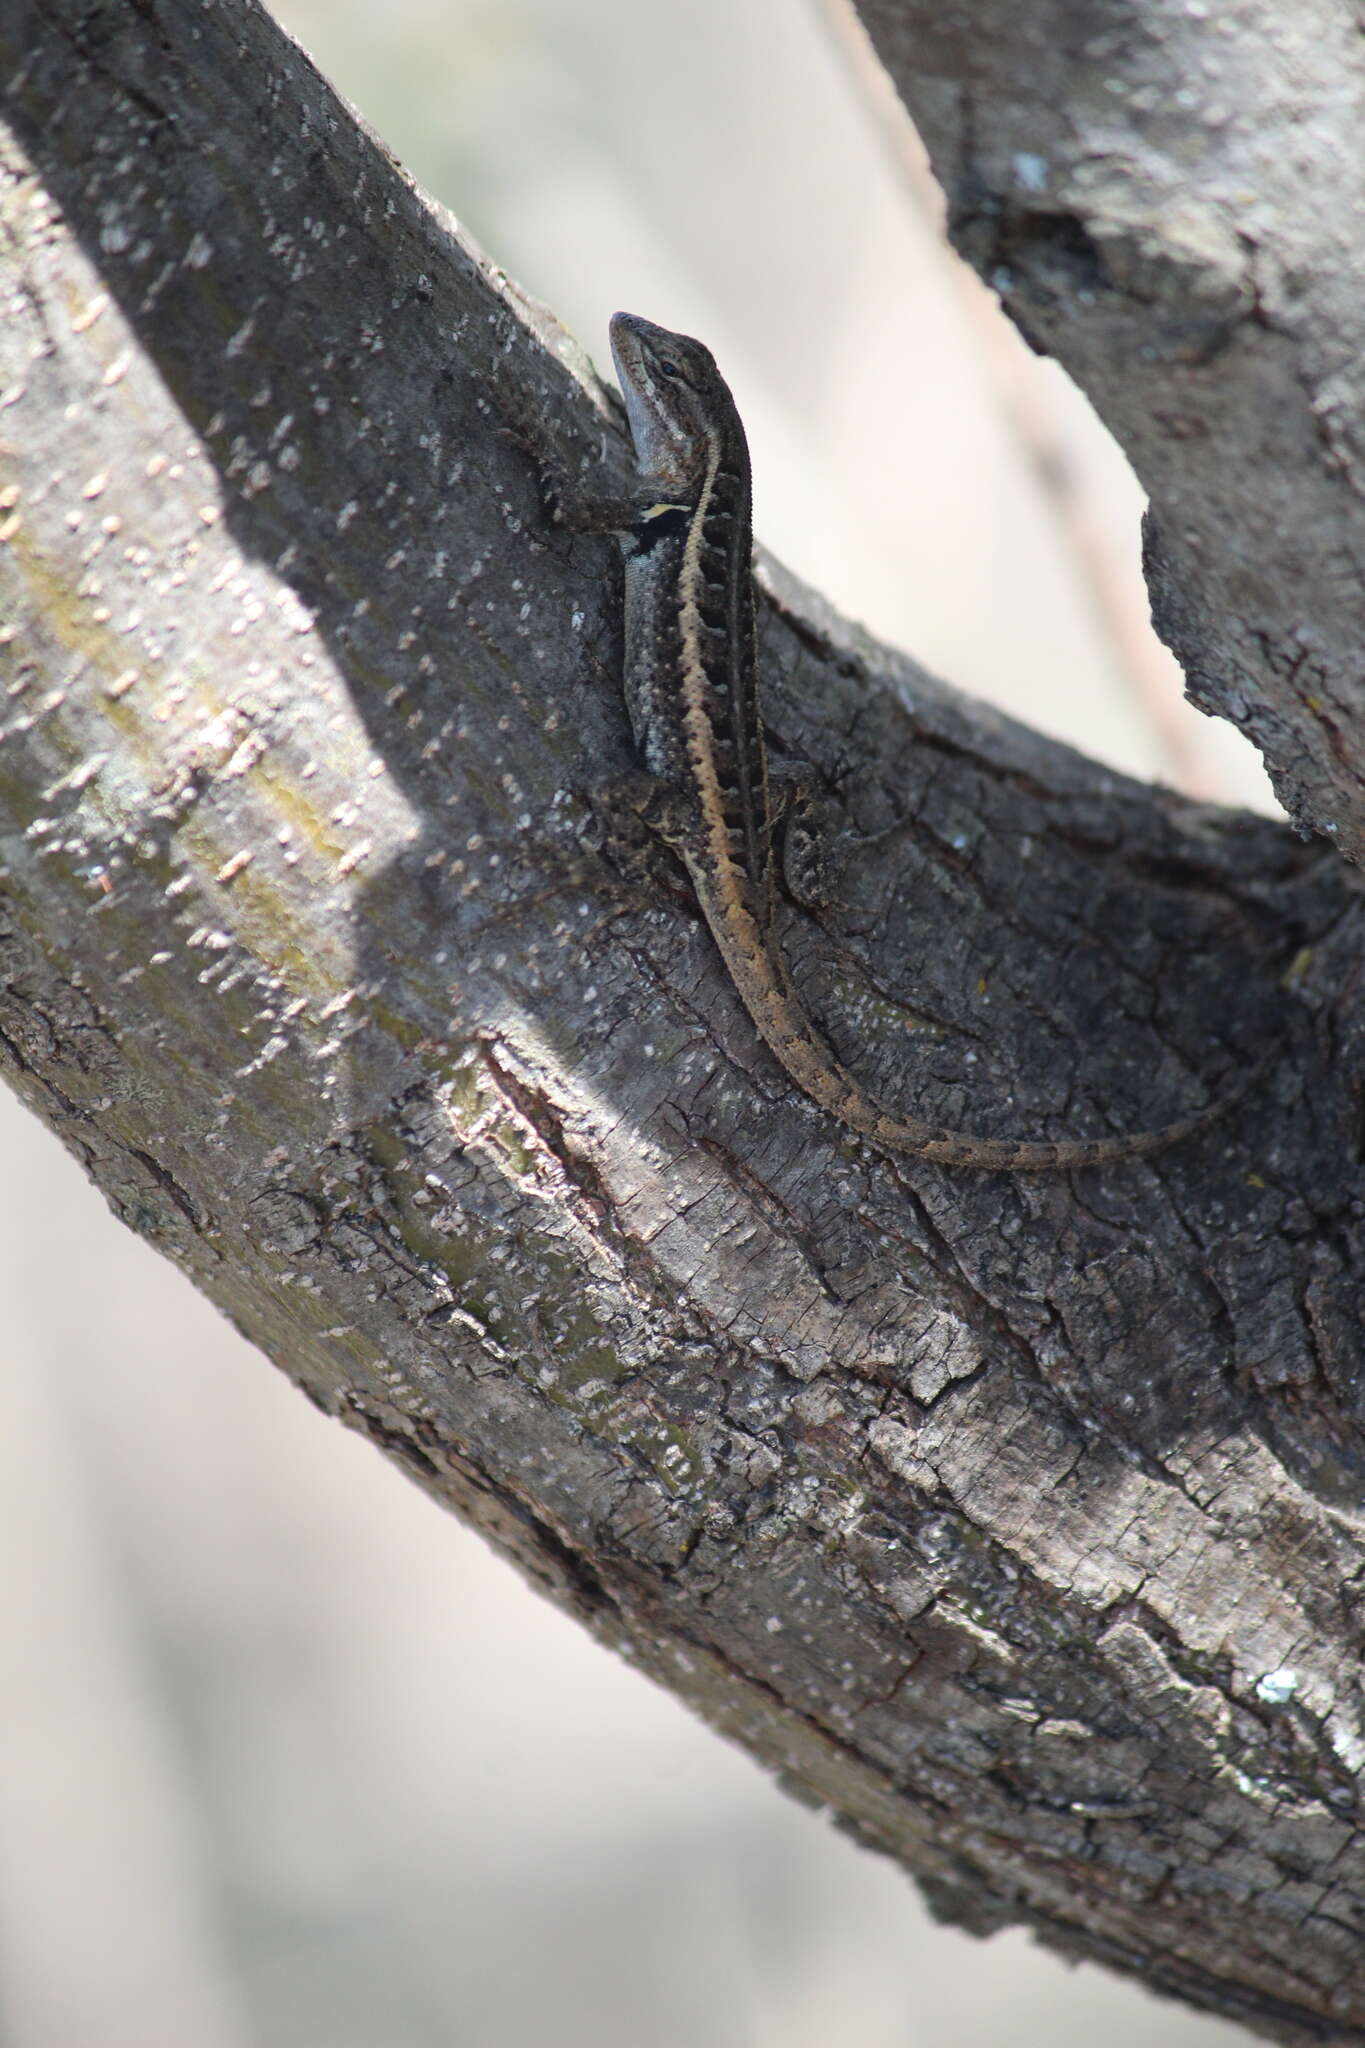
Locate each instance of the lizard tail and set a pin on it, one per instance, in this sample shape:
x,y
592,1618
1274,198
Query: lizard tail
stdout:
x,y
793,1039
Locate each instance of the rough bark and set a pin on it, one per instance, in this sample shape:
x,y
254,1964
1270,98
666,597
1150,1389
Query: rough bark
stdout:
x,y
1167,198
1017,1520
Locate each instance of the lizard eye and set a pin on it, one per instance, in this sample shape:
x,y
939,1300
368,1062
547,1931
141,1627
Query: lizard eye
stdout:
x,y
668,368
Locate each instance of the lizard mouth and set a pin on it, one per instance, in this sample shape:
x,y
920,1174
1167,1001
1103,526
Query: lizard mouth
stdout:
x,y
628,335
651,425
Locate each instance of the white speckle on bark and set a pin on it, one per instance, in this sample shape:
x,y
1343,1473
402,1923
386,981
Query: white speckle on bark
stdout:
x,y
89,313
245,755
1276,1688
78,777
1347,1741
354,855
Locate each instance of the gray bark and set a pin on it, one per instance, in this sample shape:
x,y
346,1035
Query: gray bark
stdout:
x,y
1166,198
1017,1520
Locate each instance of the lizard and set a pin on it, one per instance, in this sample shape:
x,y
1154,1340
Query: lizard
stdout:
x,y
692,697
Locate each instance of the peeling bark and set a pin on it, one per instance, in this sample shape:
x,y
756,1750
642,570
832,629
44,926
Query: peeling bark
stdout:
x,y
1015,1519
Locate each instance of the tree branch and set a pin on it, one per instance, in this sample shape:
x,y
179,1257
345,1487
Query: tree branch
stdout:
x,y
1169,201
1015,1519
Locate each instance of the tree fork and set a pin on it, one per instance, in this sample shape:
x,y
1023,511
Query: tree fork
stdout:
x,y
1016,1521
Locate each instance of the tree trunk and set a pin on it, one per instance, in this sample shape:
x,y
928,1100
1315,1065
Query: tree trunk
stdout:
x,y
1015,1518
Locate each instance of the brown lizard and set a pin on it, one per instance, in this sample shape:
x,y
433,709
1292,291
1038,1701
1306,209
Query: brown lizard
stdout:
x,y
691,683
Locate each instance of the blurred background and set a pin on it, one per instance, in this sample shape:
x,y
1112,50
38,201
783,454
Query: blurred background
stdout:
x,y
289,1760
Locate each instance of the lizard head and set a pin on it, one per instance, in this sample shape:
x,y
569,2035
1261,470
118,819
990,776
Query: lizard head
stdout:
x,y
677,402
